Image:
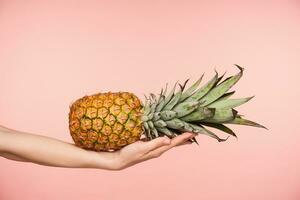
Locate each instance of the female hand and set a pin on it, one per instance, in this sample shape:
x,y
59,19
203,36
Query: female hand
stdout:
x,y
141,151
27,147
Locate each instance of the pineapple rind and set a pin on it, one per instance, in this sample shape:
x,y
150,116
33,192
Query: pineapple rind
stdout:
x,y
106,121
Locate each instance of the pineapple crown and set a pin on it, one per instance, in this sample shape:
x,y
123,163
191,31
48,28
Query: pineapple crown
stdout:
x,y
194,109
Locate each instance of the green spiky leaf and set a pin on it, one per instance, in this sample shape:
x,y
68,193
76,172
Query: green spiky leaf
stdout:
x,y
221,89
173,101
175,123
166,131
185,108
201,130
190,90
226,96
220,127
168,114
168,98
229,103
199,114
222,115
160,123
242,121
204,89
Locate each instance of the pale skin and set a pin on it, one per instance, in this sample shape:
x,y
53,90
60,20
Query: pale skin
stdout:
x,y
42,150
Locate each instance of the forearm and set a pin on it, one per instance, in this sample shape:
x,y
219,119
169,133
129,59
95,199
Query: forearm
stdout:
x,y
12,157
51,152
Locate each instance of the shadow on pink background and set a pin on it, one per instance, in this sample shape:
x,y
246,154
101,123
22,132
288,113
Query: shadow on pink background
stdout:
x,y
53,52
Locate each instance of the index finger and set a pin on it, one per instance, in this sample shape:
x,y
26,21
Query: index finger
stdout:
x,y
174,142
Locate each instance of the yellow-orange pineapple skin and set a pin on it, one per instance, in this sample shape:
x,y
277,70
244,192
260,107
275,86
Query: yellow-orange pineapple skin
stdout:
x,y
106,121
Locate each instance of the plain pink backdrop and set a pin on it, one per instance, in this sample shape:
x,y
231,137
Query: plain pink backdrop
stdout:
x,y
53,52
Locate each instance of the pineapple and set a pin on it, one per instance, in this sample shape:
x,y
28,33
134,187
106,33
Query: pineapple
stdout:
x,y
110,121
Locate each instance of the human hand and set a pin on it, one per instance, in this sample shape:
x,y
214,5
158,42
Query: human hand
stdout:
x,y
27,147
141,151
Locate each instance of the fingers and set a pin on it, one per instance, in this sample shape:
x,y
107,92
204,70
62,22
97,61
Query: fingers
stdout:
x,y
185,143
178,140
141,151
156,143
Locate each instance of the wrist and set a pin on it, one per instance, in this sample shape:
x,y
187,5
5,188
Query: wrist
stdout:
x,y
104,160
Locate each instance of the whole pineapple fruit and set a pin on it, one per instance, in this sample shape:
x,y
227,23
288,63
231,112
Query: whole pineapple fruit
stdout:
x,y
110,121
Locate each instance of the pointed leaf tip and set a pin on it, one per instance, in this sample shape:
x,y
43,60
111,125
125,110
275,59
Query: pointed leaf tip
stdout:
x,y
216,73
261,126
184,84
223,140
240,68
194,140
249,98
220,127
222,75
243,121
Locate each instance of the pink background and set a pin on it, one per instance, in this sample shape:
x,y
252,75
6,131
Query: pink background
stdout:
x,y
53,52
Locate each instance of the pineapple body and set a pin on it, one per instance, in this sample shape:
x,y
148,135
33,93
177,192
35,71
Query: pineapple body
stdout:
x,y
106,121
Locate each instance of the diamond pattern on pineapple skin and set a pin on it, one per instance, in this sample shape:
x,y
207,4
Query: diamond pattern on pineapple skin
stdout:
x,y
113,138
115,109
87,101
101,96
74,124
102,139
130,124
107,103
85,124
125,135
126,95
110,119
136,101
91,112
82,136
126,108
117,128
102,112
113,95
122,117
111,146
131,103
135,115
106,130
99,147
119,101
121,142
92,136
103,119
97,124
78,112
88,144
97,103
137,131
